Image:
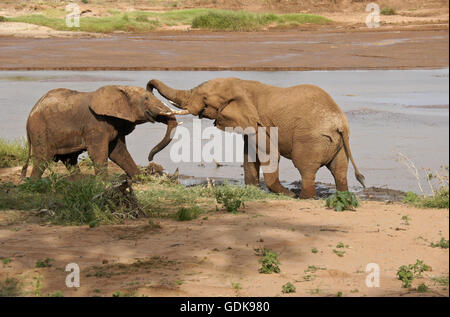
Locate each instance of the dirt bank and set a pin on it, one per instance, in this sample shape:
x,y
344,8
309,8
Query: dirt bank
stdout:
x,y
205,256
284,50
322,252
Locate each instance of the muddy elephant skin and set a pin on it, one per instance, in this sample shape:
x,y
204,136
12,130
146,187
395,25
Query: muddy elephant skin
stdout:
x,y
64,123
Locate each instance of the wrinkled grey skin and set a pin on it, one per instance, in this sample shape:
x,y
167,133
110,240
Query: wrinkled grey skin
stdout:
x,y
64,123
312,129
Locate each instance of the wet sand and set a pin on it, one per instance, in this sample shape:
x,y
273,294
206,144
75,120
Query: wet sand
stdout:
x,y
325,49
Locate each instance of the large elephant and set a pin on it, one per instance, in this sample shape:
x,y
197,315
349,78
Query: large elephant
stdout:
x,y
64,123
312,130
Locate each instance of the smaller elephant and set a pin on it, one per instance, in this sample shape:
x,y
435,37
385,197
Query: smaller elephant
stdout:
x,y
64,123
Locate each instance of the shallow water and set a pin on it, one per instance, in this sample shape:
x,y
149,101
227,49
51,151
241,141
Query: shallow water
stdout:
x,y
389,112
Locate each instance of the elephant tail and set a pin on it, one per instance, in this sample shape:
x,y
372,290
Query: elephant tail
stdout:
x,y
360,177
25,167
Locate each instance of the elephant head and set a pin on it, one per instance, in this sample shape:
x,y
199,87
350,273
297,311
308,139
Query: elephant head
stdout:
x,y
135,105
226,100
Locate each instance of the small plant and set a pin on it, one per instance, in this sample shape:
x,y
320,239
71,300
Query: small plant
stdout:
x,y
84,1
422,288
94,224
2,19
185,214
341,201
44,263
10,287
443,244
339,294
388,11
288,288
406,220
407,273
314,250
269,261
339,253
236,286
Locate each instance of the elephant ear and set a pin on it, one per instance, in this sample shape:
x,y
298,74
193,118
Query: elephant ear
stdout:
x,y
113,102
239,112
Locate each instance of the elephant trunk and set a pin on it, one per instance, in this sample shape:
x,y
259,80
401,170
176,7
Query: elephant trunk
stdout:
x,y
171,126
179,97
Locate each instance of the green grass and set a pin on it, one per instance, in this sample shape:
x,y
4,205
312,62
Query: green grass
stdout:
x,y
142,21
13,153
246,21
185,214
440,199
10,287
388,11
91,200
44,263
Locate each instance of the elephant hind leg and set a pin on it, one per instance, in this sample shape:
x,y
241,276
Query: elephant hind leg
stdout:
x,y
307,159
338,168
39,166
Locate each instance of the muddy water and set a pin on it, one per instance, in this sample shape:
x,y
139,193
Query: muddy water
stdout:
x,y
389,112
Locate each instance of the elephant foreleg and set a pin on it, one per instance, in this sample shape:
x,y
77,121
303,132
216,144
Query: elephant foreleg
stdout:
x,y
119,154
98,152
251,169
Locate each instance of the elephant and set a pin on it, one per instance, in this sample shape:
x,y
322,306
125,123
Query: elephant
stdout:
x,y
312,129
64,123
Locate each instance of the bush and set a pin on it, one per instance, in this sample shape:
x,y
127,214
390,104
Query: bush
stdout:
x,y
443,244
2,18
13,153
10,287
340,201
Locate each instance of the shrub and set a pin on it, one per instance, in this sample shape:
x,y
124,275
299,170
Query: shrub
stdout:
x,y
2,18
340,201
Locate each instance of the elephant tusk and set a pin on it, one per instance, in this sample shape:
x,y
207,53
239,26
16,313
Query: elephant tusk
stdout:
x,y
173,103
179,112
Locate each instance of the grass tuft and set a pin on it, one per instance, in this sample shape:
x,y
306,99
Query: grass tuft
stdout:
x,y
13,153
